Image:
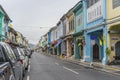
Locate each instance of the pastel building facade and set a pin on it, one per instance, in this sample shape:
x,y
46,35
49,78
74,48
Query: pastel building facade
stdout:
x,y
95,31
113,28
78,31
69,33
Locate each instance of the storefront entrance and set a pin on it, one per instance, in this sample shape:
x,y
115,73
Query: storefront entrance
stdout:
x,y
96,53
117,49
81,51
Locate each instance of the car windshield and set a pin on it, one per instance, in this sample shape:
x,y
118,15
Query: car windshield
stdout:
x,y
16,52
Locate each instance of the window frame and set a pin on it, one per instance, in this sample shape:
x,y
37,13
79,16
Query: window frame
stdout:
x,y
114,3
91,2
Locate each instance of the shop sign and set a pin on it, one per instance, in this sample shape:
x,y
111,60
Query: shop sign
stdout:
x,y
114,38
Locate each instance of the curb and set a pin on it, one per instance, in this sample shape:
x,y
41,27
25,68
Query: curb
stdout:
x,y
110,70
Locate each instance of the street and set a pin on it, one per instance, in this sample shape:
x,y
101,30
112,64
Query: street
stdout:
x,y
44,67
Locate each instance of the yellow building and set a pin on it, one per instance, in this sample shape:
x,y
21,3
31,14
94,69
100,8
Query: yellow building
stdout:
x,y
12,35
113,27
19,38
69,33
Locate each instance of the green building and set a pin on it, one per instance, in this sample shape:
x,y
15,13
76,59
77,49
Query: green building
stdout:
x,y
4,22
78,33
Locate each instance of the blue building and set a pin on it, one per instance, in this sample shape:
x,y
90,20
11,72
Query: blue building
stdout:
x,y
95,31
59,34
49,41
49,37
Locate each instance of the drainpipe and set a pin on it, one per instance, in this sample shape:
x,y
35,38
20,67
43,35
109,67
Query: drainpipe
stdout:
x,y
105,59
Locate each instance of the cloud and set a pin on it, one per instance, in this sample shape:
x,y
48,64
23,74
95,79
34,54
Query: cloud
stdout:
x,y
29,15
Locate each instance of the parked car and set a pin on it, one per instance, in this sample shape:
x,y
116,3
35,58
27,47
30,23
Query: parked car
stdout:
x,y
26,59
10,57
6,72
27,52
31,52
20,56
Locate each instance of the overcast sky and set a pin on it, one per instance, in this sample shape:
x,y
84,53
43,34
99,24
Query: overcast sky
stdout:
x,y
29,15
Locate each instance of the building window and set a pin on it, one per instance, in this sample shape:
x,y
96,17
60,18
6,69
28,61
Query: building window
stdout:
x,y
116,3
69,26
73,24
91,2
95,11
79,21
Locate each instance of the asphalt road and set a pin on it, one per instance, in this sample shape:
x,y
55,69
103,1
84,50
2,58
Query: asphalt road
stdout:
x,y
44,67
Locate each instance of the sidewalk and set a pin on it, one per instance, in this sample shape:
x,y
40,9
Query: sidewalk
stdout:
x,y
97,66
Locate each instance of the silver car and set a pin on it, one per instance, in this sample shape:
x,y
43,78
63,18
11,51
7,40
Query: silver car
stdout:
x,y
11,58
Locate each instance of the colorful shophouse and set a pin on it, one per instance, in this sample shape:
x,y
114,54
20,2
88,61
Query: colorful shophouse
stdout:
x,y
113,29
95,31
78,32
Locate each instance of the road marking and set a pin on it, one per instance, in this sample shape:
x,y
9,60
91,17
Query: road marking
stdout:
x,y
29,68
70,70
28,77
57,63
29,62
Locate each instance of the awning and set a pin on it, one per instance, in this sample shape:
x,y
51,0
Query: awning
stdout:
x,y
59,41
65,36
54,42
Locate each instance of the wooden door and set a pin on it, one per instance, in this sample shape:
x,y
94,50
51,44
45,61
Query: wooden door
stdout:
x,y
95,52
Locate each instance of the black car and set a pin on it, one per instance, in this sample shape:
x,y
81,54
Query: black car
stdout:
x,y
9,56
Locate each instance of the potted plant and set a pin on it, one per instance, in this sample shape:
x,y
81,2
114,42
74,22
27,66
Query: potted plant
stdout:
x,y
108,52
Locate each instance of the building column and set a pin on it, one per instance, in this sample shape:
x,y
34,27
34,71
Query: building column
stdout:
x,y
88,49
105,58
67,48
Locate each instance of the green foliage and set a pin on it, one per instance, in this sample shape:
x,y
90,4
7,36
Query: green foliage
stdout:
x,y
108,51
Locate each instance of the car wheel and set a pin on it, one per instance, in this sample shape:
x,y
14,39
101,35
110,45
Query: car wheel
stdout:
x,y
2,77
23,73
27,66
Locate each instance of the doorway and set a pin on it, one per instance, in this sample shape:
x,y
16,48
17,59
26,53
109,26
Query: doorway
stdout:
x,y
81,51
117,49
96,53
